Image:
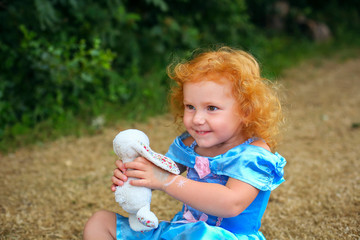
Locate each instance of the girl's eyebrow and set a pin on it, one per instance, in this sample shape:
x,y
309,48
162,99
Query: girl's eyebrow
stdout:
x,y
212,103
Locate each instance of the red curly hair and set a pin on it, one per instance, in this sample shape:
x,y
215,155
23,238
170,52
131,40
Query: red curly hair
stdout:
x,y
256,97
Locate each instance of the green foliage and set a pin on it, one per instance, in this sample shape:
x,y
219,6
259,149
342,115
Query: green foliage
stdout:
x,y
56,80
66,62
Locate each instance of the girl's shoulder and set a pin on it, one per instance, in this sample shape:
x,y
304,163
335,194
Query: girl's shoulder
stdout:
x,y
261,143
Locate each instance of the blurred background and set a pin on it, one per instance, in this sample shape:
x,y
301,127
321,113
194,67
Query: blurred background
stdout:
x,y
75,66
73,73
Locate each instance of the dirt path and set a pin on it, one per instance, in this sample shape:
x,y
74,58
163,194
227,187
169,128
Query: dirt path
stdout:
x,y
49,191
321,197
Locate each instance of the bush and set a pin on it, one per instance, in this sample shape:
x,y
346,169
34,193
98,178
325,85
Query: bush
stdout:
x,y
67,62
53,80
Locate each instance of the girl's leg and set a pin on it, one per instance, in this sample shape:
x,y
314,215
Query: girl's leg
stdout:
x,y
101,226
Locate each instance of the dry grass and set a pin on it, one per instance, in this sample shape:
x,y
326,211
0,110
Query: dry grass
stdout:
x,y
49,191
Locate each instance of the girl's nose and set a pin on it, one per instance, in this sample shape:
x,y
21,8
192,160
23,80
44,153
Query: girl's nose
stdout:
x,y
199,118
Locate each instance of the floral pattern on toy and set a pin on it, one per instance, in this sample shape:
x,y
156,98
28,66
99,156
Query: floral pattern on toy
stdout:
x,y
160,160
146,222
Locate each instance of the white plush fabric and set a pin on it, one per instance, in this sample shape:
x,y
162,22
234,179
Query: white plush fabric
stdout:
x,y
128,145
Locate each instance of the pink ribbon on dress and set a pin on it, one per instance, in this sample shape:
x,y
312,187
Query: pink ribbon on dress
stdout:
x,y
202,166
190,218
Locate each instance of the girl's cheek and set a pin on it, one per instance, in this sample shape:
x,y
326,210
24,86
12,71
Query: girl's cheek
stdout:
x,y
186,121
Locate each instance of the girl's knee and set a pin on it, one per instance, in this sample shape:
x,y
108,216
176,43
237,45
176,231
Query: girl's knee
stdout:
x,y
101,223
102,215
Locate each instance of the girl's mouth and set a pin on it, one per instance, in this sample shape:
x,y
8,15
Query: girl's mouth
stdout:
x,y
202,132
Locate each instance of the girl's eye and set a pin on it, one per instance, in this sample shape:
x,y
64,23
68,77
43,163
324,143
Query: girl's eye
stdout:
x,y
190,107
212,108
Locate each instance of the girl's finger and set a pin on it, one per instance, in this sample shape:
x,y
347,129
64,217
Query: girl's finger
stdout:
x,y
116,181
139,183
135,174
139,165
120,175
119,164
140,159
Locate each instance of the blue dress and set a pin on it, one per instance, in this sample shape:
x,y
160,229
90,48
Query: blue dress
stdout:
x,y
251,164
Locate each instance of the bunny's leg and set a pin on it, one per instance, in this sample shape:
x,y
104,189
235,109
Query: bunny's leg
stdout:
x,y
136,225
146,217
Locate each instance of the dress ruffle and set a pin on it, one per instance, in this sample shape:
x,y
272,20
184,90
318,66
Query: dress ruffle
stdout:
x,y
248,163
181,231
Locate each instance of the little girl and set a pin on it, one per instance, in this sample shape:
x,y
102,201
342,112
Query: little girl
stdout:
x,y
231,116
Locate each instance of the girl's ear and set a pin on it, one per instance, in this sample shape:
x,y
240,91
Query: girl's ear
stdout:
x,y
245,121
156,158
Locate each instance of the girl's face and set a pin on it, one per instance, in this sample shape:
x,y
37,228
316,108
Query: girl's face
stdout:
x,y
211,116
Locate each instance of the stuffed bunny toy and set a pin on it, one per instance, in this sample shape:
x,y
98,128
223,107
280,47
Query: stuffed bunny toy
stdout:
x,y
128,145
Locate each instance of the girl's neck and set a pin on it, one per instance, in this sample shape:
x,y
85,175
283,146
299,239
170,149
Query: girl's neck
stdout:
x,y
216,150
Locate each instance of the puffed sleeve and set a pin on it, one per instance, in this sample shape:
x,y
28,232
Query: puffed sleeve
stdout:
x,y
248,163
253,165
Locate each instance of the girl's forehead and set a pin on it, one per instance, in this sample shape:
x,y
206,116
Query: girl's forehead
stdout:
x,y
208,88
220,80
219,86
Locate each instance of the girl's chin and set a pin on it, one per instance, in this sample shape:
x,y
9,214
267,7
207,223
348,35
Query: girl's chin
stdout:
x,y
204,144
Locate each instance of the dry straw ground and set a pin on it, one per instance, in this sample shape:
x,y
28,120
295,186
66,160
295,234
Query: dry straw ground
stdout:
x,y
49,191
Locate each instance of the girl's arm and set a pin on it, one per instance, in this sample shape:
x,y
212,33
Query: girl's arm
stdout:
x,y
211,198
214,199
119,176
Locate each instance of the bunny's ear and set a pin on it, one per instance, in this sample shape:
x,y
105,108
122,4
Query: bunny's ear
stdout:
x,y
157,158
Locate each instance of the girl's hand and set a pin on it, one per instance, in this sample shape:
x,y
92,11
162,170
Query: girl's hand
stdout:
x,y
148,174
119,176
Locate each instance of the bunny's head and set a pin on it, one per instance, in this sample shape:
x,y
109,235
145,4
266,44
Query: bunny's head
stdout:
x,y
126,144
133,143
